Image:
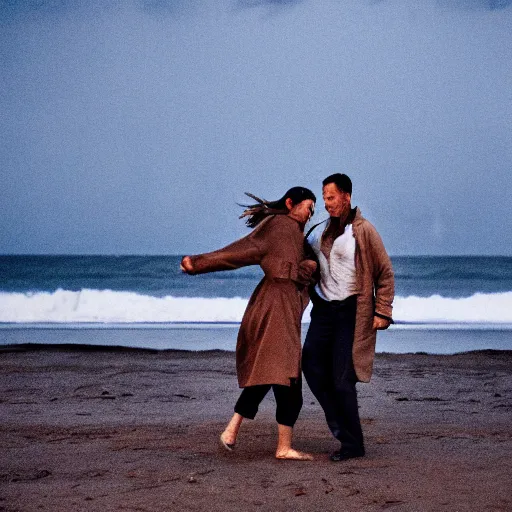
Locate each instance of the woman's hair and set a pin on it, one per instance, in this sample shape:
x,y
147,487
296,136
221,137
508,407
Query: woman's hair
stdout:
x,y
255,213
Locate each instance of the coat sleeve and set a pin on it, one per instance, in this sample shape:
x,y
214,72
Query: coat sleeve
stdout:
x,y
249,250
309,254
383,276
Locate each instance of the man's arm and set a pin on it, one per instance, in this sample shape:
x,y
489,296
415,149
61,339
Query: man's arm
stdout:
x,y
309,254
384,282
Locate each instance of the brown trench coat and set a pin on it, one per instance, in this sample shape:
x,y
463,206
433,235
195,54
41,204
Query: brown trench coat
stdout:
x,y
376,287
375,292
268,347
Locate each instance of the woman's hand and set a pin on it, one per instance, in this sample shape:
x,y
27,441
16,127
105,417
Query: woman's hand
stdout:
x,y
306,270
186,265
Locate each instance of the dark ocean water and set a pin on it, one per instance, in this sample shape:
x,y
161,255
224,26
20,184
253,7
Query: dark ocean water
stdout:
x,y
133,289
158,276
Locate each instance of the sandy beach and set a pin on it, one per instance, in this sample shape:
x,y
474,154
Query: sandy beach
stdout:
x,y
97,429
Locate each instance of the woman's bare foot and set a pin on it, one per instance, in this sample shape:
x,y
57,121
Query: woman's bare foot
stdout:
x,y
228,440
292,454
228,437
284,448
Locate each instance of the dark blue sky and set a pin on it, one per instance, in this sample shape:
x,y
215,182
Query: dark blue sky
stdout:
x,y
135,126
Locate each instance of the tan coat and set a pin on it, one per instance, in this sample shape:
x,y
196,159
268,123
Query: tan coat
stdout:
x,y
376,291
268,347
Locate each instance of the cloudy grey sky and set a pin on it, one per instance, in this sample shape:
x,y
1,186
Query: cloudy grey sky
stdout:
x,y
134,127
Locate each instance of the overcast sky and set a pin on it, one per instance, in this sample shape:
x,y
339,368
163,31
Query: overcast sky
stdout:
x,y
134,127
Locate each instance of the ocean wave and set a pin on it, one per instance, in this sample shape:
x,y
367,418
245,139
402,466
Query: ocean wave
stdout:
x,y
107,306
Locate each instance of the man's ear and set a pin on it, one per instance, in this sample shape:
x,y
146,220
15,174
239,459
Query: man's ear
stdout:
x,y
289,203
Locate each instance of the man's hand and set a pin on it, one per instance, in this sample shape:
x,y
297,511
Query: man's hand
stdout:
x,y
379,324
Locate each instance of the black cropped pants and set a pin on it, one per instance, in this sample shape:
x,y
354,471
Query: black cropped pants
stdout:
x,y
288,401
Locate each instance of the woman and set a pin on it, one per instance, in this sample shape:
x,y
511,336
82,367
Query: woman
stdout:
x,y
269,347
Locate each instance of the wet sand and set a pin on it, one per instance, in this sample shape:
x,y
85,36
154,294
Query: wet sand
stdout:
x,y
95,429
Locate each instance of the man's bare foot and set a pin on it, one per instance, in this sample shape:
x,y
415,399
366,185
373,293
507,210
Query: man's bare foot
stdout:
x,y
293,455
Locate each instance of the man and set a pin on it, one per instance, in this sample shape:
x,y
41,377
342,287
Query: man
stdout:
x,y
352,300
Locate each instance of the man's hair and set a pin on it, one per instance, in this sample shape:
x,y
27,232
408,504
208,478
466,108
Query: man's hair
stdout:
x,y
342,181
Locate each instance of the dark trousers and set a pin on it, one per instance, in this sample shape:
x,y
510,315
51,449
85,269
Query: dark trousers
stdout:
x,y
288,401
329,371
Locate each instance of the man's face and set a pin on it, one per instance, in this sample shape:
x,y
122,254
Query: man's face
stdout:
x,y
303,211
336,203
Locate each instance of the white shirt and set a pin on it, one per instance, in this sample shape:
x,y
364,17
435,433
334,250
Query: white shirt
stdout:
x,y
338,274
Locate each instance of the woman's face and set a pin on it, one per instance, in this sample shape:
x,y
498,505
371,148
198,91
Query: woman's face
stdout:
x,y
303,211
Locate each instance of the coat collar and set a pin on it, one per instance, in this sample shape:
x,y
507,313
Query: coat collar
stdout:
x,y
358,218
